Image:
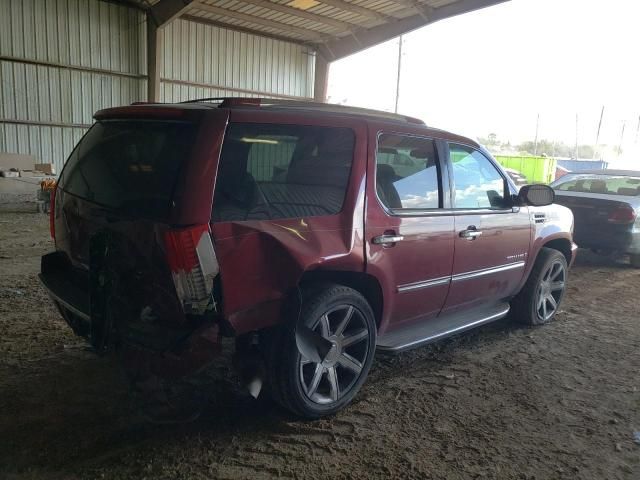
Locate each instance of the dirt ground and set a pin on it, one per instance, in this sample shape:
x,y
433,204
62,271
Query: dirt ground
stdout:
x,y
559,401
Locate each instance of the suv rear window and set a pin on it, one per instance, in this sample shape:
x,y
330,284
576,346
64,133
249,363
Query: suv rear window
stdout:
x,y
270,171
130,166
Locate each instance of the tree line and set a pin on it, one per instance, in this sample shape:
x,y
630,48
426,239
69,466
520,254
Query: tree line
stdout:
x,y
549,148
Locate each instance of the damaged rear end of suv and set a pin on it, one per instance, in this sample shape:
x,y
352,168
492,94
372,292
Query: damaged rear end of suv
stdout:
x,y
176,225
134,266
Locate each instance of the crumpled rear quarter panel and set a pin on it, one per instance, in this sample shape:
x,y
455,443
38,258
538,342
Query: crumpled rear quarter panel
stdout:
x,y
262,262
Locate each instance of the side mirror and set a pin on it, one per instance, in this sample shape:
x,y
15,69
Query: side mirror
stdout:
x,y
536,195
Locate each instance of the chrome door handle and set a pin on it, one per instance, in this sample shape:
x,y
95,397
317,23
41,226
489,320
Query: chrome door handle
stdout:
x,y
387,239
470,234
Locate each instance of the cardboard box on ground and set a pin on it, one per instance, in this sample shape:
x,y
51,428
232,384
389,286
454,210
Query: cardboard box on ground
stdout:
x,y
24,163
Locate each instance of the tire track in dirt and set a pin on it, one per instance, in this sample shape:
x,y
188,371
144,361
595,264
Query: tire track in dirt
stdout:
x,y
504,401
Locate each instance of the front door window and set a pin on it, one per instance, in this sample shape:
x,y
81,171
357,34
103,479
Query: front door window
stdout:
x,y
478,184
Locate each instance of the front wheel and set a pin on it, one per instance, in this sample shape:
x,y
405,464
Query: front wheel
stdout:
x,y
317,365
540,298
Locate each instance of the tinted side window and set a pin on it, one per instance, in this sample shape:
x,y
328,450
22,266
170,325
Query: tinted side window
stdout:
x,y
407,175
478,183
270,171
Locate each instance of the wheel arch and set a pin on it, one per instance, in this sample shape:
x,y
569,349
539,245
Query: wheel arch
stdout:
x,y
365,284
563,245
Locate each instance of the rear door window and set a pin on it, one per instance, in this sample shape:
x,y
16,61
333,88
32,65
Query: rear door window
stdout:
x,y
129,166
271,171
407,173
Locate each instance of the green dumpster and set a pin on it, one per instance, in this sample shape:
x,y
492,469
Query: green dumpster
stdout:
x,y
536,169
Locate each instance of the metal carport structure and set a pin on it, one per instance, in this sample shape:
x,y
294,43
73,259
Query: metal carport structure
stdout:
x,y
62,60
333,29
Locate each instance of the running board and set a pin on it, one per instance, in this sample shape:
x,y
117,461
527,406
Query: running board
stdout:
x,y
438,328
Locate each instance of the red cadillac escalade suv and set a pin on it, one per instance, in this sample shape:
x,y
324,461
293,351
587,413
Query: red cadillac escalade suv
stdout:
x,y
313,234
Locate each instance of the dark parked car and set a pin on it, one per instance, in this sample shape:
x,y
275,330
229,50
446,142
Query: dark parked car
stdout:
x,y
314,234
605,205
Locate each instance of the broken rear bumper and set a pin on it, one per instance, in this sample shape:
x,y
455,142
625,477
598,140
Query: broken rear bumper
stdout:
x,y
165,351
66,291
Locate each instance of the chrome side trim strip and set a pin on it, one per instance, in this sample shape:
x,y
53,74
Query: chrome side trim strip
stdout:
x,y
451,331
424,284
436,212
459,277
486,271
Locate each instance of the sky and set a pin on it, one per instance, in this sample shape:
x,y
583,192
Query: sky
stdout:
x,y
495,70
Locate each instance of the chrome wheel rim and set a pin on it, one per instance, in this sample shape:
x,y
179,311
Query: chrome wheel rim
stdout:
x,y
550,290
333,353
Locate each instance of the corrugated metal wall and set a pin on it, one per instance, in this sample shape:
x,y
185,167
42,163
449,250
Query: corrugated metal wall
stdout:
x,y
207,61
60,61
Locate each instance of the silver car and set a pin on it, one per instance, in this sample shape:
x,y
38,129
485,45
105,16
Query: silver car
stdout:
x,y
605,206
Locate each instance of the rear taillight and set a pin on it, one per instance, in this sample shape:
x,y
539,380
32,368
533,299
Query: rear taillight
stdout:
x,y
193,265
622,214
52,214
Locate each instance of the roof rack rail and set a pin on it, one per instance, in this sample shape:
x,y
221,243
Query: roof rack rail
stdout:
x,y
229,102
206,99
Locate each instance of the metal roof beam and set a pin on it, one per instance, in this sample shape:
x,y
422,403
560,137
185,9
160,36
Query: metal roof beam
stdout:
x,y
353,8
365,38
420,8
314,17
250,31
284,27
165,11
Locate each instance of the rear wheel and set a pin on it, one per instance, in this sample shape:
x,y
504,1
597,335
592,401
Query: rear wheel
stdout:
x,y
317,365
540,298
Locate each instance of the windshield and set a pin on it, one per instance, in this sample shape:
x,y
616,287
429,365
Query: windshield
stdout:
x,y
128,165
604,184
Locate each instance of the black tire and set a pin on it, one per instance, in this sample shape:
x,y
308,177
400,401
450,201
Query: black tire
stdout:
x,y
287,365
635,260
532,305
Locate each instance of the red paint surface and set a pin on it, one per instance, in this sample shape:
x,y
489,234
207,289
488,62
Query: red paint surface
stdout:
x,y
505,239
261,262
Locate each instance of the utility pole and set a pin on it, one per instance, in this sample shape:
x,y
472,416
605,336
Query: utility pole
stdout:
x,y
398,77
599,125
535,142
575,154
598,133
624,123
